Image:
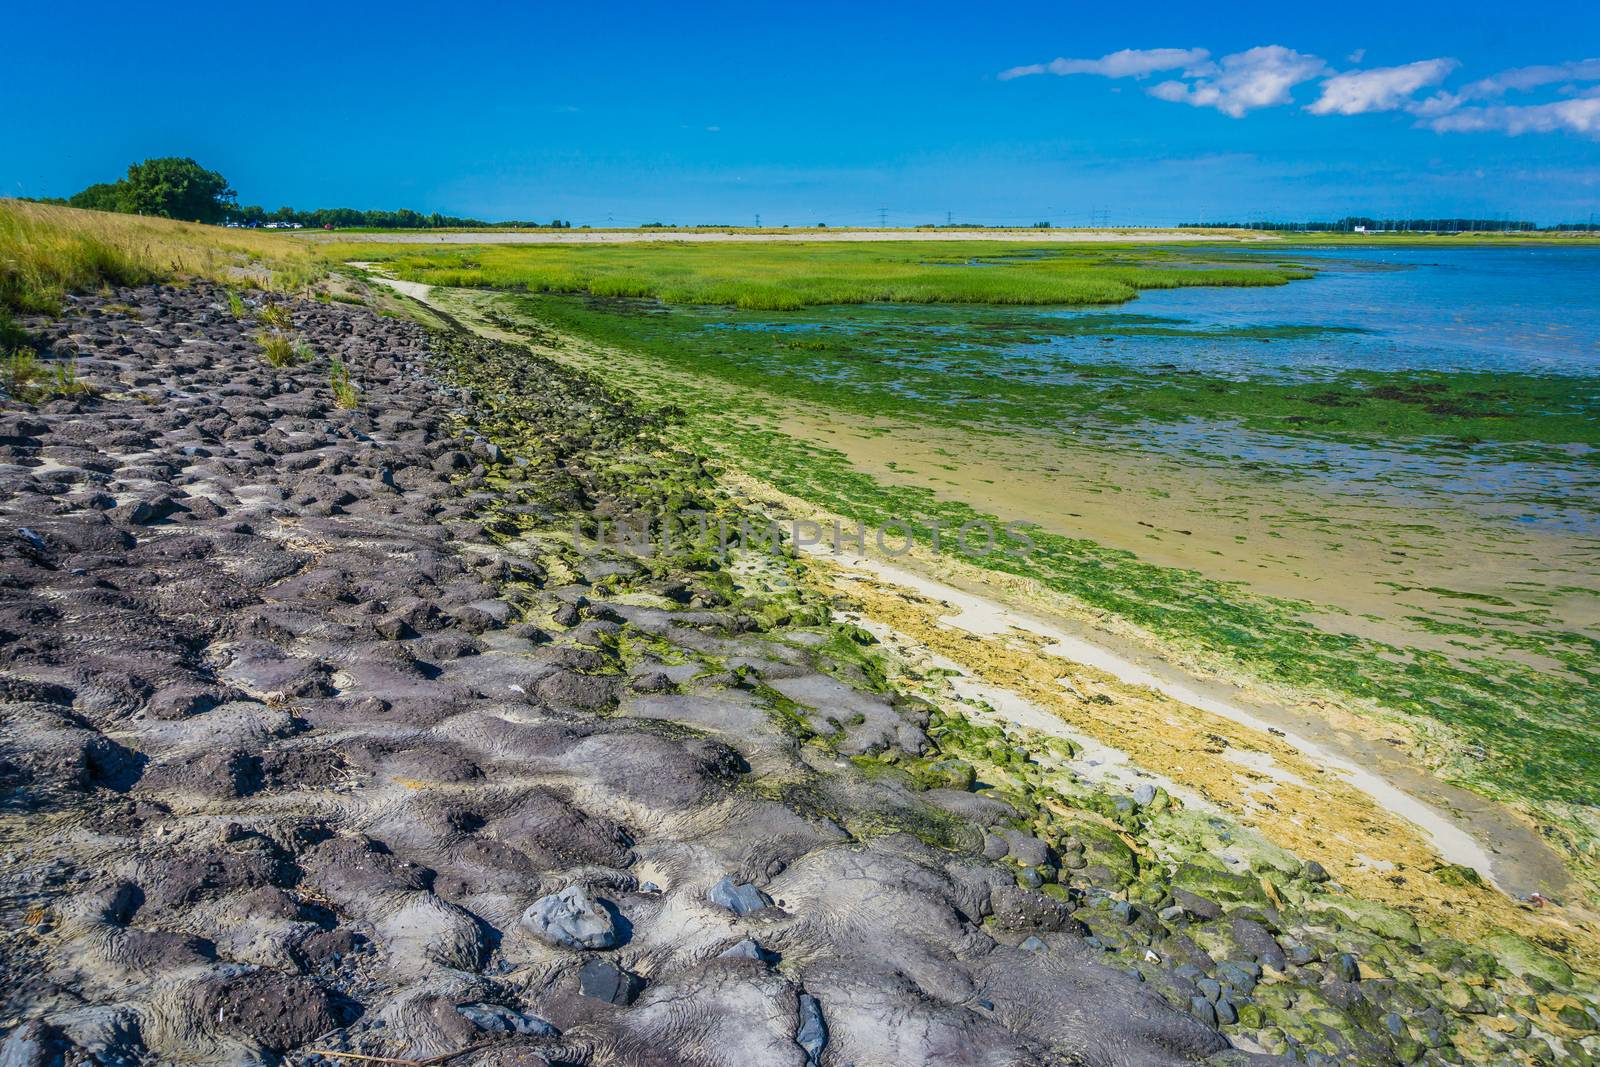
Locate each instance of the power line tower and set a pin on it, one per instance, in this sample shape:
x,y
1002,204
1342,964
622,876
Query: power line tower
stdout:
x,y
758,220
883,218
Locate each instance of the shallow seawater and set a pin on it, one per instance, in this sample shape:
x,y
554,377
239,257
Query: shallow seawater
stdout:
x,y
1535,310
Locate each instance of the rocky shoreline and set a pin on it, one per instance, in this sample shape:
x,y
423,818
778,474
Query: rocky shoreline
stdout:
x,y
320,739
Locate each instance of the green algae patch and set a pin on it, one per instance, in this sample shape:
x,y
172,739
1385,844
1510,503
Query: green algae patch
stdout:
x,y
1522,957
993,366
1371,915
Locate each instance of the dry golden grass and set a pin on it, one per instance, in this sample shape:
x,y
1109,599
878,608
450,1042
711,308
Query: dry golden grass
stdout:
x,y
48,251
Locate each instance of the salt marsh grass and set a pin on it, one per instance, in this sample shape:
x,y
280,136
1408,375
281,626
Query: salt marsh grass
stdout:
x,y
778,276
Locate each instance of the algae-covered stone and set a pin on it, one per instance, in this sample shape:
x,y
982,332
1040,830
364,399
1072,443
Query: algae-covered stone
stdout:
x,y
1210,882
952,774
1370,915
1105,847
1446,954
1522,957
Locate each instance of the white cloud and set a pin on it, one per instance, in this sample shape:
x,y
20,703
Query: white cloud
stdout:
x,y
1357,92
1521,79
1580,115
1357,56
1440,103
1266,77
1128,63
1257,78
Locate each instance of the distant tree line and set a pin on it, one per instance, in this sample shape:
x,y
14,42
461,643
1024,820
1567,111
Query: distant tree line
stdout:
x,y
344,218
1353,223
179,188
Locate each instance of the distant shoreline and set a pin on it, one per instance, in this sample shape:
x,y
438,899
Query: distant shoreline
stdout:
x,y
578,237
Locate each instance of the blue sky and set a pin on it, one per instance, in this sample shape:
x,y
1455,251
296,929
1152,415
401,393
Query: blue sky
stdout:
x,y
711,113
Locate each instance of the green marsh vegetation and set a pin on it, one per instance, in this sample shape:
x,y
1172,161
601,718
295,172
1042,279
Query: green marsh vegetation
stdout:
x,y
958,366
275,317
779,276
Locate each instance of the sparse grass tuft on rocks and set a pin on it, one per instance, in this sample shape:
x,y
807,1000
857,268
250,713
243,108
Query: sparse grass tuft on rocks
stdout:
x,y
276,317
345,393
277,349
31,380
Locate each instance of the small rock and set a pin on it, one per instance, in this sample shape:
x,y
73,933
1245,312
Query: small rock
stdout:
x,y
1240,974
654,682
501,1020
605,981
741,898
570,919
1144,794
1300,955
748,949
813,1032
1198,906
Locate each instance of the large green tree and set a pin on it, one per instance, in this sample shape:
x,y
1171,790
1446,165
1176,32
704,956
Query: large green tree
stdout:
x,y
177,188
172,187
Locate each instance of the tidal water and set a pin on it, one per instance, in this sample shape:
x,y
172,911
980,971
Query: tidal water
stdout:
x,y
1499,310
1448,309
